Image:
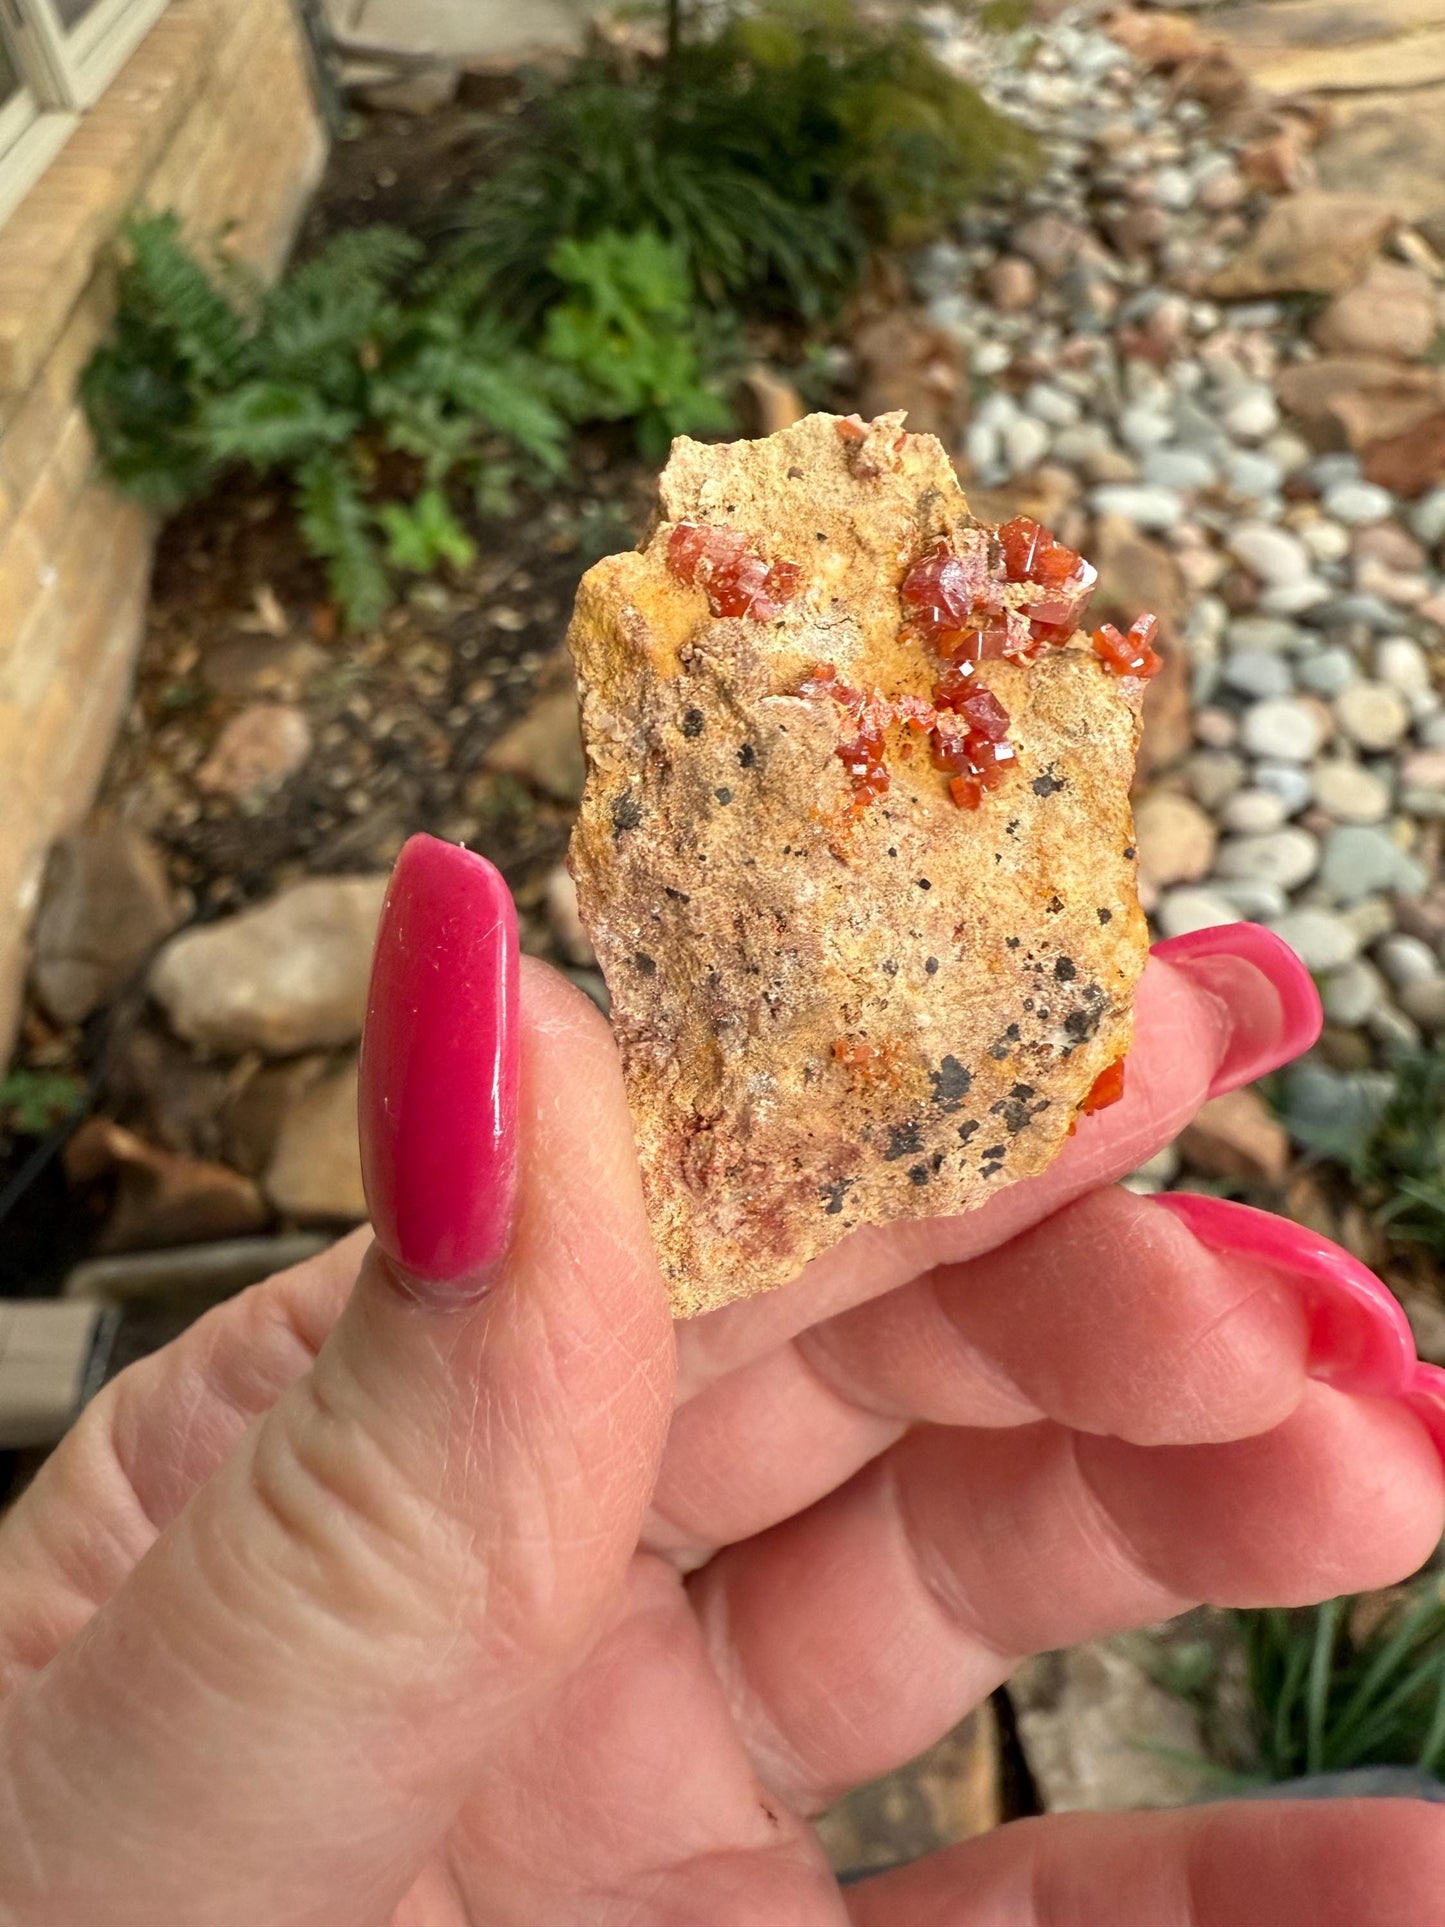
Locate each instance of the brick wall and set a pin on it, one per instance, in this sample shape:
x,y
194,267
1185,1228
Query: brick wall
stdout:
x,y
212,115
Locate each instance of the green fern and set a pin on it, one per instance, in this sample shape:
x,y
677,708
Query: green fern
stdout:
x,y
422,533
338,527
338,368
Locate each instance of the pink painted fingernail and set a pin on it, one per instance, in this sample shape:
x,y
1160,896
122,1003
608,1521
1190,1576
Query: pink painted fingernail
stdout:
x,y
1269,1002
1425,1396
439,1069
1360,1338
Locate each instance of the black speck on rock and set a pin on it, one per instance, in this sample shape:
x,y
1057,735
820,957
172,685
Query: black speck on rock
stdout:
x,y
931,966
693,724
626,813
833,1195
967,1129
951,1084
723,795
1048,784
1064,970
647,965
904,1141
1055,904
918,1174
1106,916
747,756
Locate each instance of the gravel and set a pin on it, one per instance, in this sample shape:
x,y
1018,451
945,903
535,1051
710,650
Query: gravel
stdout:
x,y
1359,504
1320,941
1372,714
1284,730
1352,994
1359,859
1350,793
1286,857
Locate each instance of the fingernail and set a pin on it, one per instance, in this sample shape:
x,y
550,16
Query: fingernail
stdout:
x,y
439,1068
1425,1396
1271,1007
1360,1338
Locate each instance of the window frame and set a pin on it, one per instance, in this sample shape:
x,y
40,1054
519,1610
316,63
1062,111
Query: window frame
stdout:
x,y
31,132
70,70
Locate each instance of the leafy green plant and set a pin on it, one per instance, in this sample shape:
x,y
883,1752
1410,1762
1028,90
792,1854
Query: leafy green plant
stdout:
x,y
1327,1697
376,399
774,153
625,332
34,1102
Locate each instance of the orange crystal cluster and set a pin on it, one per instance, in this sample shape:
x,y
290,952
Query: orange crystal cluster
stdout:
x,y
956,603
1131,655
734,578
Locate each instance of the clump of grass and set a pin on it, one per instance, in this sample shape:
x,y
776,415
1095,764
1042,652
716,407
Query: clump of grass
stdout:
x,y
1388,1133
1330,1692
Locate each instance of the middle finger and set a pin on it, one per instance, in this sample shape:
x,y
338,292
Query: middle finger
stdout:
x,y
1182,1323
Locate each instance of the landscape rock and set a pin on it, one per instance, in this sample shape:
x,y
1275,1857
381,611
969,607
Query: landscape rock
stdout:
x,y
1237,1136
1053,243
1358,504
1408,461
105,904
1012,284
290,975
906,362
1350,793
1213,776
258,750
1424,1000
1390,311
1287,857
1359,860
1372,714
1175,838
768,401
424,91
1253,811
315,1172
156,1198
1100,1734
1375,402
565,919
1352,994
1310,243
544,748
1406,960
1285,730
1273,554
1320,940
1183,911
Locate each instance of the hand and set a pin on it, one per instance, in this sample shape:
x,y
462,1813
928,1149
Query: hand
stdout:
x,y
441,1582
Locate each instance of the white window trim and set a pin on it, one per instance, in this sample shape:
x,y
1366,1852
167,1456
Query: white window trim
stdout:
x,y
60,74
72,69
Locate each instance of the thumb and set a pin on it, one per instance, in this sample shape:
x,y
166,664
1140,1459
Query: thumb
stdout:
x,y
275,1716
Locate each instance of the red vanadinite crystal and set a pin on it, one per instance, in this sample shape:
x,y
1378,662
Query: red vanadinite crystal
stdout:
x,y
1032,554
954,601
736,581
1131,655
1106,1089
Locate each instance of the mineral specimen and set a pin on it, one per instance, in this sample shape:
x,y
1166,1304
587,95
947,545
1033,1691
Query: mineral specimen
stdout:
x,y
855,851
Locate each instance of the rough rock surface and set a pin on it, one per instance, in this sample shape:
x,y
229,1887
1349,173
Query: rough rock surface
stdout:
x,y
835,1013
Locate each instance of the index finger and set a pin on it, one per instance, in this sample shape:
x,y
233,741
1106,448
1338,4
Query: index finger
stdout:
x,y
1215,1010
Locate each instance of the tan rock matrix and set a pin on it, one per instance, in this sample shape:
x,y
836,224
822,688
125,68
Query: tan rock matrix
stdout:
x,y
836,1006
